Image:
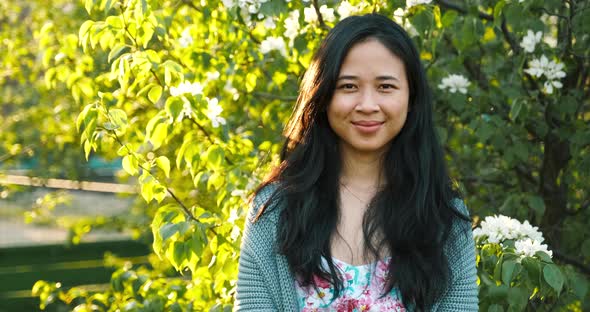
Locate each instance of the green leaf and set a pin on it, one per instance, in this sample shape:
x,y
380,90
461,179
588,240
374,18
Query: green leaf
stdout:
x,y
515,109
158,135
116,51
553,277
251,79
507,270
215,157
498,293
147,190
164,163
83,114
498,11
88,5
543,256
533,269
159,192
168,230
178,254
423,21
118,117
197,243
449,18
155,93
130,164
495,308
173,107
517,299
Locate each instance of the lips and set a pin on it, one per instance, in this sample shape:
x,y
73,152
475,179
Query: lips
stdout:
x,y
367,126
367,123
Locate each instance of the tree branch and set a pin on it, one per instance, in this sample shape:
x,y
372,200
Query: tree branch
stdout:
x,y
509,37
319,14
210,139
186,210
462,10
570,260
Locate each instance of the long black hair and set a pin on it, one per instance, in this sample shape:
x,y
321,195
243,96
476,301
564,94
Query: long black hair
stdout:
x,y
411,216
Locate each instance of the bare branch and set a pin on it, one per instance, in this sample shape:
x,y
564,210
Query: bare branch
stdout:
x,y
319,14
462,10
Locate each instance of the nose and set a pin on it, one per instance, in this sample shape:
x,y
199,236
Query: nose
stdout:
x,y
368,102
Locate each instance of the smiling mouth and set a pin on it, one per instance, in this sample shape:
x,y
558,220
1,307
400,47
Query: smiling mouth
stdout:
x,y
367,127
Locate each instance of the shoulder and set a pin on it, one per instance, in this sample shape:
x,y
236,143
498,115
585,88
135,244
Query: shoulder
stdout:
x,y
460,239
266,198
260,230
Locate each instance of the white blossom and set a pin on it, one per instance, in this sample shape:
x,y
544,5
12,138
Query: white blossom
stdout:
x,y
411,3
59,56
292,25
455,83
214,75
310,15
528,247
213,112
527,238
530,40
548,86
230,88
269,23
185,39
327,13
399,17
345,9
273,43
229,3
187,110
187,87
550,69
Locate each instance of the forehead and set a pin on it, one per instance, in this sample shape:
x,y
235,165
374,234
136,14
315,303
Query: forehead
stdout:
x,y
371,57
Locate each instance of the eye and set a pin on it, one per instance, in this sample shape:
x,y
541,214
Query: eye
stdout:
x,y
387,87
347,87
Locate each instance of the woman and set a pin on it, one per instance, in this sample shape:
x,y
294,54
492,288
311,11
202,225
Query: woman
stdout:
x,y
360,215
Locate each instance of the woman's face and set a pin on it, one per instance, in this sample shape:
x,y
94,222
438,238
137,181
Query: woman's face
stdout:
x,y
370,103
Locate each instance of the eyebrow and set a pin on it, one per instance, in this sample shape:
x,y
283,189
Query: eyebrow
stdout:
x,y
353,77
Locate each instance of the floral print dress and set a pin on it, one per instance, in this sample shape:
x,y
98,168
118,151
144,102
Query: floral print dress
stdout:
x,y
363,289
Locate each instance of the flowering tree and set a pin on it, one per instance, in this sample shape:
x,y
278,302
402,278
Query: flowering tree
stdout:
x,y
192,96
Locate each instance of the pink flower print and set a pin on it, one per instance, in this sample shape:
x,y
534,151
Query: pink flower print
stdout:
x,y
320,282
346,304
364,303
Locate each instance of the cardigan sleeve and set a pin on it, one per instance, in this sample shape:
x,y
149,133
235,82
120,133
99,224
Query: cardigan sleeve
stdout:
x,y
462,292
252,293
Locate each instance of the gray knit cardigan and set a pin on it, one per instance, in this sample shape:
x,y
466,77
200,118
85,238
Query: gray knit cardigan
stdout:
x,y
265,282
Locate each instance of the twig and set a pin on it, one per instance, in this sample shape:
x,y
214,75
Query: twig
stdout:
x,y
186,210
210,139
192,5
319,14
6,157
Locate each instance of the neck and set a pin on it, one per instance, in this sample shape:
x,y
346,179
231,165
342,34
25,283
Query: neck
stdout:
x,y
361,170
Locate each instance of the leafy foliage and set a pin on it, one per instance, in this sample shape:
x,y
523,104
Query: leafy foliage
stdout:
x,y
192,96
